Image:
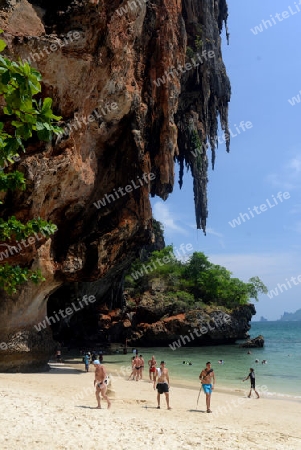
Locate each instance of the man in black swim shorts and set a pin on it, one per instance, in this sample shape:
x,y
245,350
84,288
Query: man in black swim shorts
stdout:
x,y
162,384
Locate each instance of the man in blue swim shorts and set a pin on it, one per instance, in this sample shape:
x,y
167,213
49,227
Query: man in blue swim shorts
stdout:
x,y
207,378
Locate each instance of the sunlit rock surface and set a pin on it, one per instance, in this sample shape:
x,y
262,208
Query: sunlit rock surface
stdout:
x,y
122,127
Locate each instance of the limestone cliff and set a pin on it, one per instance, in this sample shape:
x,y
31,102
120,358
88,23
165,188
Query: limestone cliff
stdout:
x,y
123,131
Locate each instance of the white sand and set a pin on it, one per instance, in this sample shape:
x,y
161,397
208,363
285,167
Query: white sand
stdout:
x,y
41,411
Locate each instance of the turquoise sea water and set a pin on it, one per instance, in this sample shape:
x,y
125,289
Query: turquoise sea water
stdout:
x,y
280,376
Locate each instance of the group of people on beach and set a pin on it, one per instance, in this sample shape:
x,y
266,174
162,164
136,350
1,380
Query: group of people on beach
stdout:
x,y
160,379
159,376
137,368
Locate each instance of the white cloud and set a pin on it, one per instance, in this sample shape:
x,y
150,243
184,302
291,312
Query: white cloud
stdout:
x,y
271,268
295,165
219,235
163,214
289,176
295,227
296,209
214,233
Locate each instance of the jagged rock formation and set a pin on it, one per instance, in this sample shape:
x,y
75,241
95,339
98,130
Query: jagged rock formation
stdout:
x,y
257,342
155,323
121,125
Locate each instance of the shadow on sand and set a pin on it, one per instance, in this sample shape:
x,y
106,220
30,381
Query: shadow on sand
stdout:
x,y
196,410
62,368
87,407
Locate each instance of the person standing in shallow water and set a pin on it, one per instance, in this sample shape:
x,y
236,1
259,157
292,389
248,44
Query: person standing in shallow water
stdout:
x,y
252,379
207,378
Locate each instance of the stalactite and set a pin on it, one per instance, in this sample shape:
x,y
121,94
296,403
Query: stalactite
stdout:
x,y
204,97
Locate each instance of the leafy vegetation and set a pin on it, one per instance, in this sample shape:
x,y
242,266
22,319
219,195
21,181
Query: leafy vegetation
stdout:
x,y
196,141
197,282
198,148
198,43
189,52
24,115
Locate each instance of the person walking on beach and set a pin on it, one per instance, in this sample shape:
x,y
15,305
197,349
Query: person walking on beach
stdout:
x,y
163,383
87,361
152,368
207,378
100,382
137,367
252,379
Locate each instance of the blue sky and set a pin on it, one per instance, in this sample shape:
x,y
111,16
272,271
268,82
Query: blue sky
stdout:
x,y
265,72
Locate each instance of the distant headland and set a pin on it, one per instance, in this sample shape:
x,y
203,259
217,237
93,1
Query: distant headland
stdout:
x,y
291,317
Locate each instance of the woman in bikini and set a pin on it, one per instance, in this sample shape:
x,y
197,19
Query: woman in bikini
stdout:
x,y
152,368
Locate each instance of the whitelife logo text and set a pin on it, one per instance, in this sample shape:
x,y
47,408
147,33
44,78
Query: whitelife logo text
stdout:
x,y
259,209
68,312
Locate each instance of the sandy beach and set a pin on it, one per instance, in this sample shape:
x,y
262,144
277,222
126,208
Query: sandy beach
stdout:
x,y
56,410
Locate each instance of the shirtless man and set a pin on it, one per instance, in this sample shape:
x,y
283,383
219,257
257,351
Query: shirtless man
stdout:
x,y
141,366
152,368
163,383
207,378
137,367
101,383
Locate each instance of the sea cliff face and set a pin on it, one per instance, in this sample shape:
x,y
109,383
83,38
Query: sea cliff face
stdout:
x,y
127,117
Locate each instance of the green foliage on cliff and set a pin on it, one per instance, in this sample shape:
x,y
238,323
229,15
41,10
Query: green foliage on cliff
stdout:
x,y
196,281
24,115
